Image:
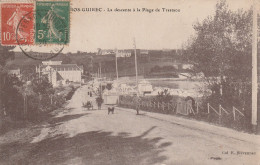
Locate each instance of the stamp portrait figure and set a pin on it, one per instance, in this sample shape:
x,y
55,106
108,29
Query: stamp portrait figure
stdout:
x,y
15,19
49,20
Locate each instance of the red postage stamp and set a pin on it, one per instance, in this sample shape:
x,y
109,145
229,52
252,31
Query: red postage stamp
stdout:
x,y
12,14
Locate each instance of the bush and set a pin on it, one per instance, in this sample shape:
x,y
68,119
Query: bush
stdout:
x,y
163,96
30,101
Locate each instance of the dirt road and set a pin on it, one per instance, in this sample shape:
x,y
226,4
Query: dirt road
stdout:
x,y
77,136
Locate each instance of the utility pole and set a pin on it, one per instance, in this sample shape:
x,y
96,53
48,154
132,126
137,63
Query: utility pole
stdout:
x,y
39,71
136,72
254,69
100,70
25,104
98,73
116,65
100,80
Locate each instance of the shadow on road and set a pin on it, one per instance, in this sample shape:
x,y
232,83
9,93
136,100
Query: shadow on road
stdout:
x,y
65,118
95,147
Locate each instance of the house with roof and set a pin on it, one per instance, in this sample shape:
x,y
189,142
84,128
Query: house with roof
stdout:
x,y
60,74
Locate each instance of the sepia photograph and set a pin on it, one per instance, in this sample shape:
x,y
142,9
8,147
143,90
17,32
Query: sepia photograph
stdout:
x,y
129,82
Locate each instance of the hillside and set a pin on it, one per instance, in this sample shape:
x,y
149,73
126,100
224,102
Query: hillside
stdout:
x,y
91,63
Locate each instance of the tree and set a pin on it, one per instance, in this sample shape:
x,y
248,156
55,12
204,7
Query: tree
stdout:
x,y
42,86
5,54
221,49
66,60
222,45
10,96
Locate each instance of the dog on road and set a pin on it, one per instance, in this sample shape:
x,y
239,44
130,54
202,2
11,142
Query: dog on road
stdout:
x,y
111,109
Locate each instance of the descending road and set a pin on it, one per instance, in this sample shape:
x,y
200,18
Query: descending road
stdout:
x,y
78,136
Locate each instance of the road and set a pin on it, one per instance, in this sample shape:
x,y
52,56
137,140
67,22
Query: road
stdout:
x,y
92,137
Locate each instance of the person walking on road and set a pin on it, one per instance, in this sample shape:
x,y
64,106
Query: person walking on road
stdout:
x,y
99,101
136,102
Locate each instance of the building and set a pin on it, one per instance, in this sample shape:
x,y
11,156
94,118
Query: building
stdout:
x,y
145,87
51,62
102,52
124,53
144,52
60,74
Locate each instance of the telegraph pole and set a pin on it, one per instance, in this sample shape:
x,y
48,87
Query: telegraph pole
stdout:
x,y
136,72
100,81
39,71
98,72
254,69
116,65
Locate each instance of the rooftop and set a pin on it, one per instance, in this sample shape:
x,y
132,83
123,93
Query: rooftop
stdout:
x,y
64,67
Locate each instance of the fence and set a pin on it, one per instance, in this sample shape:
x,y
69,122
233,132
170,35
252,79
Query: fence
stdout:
x,y
221,111
183,108
150,106
32,107
234,111
217,114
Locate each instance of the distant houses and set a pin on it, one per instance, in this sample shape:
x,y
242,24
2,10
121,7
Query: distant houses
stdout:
x,y
142,52
60,74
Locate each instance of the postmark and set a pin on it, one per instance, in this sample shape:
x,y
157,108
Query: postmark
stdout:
x,y
41,51
52,22
11,14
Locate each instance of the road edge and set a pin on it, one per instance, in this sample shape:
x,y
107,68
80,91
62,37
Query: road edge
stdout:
x,y
201,126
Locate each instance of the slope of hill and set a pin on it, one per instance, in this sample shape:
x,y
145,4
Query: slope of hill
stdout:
x,y
91,63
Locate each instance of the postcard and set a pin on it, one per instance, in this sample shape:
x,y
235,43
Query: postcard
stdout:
x,y
129,82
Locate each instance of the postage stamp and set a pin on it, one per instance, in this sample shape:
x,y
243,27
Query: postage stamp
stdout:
x,y
40,51
11,14
52,22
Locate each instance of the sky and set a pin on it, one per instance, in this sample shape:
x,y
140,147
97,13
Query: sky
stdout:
x,y
156,30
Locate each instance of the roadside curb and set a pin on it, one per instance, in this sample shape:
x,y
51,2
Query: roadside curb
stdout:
x,y
202,126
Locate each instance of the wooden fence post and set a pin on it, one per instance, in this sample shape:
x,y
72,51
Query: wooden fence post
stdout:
x,y
220,115
197,107
163,106
24,106
234,113
208,107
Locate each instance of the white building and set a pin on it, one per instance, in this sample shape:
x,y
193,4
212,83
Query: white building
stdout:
x,y
60,74
145,87
123,53
51,62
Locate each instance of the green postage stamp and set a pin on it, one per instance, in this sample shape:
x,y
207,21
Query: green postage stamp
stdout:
x,y
52,22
